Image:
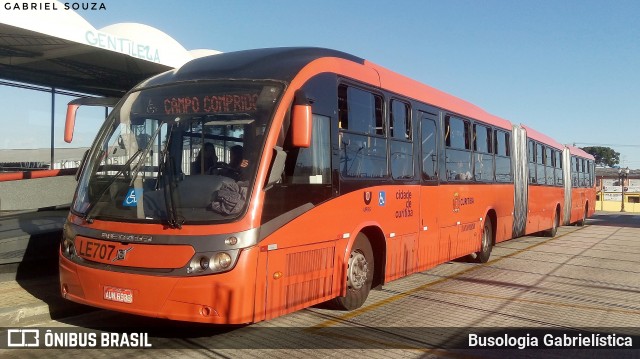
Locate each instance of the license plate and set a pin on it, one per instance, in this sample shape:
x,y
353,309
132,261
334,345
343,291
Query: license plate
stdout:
x,y
118,294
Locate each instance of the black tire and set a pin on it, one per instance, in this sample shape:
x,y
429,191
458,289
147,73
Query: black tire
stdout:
x,y
551,232
359,276
486,243
583,221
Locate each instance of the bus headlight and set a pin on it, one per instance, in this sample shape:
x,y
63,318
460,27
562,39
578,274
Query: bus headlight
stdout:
x,y
67,243
212,262
221,260
68,248
204,263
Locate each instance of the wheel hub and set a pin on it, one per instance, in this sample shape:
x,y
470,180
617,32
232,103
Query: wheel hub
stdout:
x,y
357,271
485,241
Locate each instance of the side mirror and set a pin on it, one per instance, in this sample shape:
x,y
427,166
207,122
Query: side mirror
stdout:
x,y
70,122
301,120
73,106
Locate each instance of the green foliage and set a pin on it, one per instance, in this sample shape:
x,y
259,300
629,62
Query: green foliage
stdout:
x,y
605,156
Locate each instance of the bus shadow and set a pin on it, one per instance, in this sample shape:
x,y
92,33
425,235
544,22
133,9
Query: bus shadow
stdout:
x,y
615,219
29,243
159,328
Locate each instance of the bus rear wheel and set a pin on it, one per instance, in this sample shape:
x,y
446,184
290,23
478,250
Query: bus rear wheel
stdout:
x,y
359,277
554,230
486,243
583,220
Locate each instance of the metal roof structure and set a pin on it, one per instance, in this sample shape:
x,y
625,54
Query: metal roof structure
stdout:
x,y
58,48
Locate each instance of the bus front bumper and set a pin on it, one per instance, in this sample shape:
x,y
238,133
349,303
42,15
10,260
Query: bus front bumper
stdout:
x,y
224,298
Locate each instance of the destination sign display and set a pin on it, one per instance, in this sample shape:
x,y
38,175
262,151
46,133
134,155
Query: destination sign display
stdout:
x,y
224,103
207,98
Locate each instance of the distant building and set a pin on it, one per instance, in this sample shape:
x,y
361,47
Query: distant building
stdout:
x,y
610,189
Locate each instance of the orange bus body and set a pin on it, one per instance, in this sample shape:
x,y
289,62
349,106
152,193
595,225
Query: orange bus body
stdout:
x,y
302,257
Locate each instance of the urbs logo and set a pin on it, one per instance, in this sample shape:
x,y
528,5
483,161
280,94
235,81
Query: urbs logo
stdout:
x,y
459,202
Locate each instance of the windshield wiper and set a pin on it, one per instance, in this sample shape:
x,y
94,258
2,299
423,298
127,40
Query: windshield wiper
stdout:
x,y
93,203
166,172
145,153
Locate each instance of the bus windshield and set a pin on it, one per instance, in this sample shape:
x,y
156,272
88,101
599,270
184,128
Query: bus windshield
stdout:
x,y
183,153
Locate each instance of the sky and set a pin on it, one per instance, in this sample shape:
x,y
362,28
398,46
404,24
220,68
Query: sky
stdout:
x,y
567,68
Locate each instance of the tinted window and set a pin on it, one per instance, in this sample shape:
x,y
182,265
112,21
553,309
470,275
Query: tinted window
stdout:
x,y
360,111
362,152
400,121
482,139
457,133
503,151
429,154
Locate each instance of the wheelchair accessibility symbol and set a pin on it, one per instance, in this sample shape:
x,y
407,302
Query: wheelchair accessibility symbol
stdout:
x,y
382,198
131,199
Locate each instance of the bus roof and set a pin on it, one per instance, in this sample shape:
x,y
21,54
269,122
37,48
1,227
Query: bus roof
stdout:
x,y
284,63
401,84
579,152
540,137
281,63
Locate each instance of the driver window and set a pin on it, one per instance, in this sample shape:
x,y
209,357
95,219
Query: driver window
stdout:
x,y
312,165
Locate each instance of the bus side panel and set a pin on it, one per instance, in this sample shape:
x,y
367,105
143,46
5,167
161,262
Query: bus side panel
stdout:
x,y
299,277
497,198
504,208
542,205
433,245
401,230
580,197
474,203
403,256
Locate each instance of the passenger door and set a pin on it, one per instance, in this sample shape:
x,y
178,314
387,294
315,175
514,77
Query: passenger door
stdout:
x,y
434,247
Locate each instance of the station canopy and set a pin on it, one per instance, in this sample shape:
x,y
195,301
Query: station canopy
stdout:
x,y
58,48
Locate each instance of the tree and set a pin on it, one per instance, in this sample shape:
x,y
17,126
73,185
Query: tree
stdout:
x,y
605,156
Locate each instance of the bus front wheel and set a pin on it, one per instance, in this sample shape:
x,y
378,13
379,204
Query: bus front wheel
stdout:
x,y
360,267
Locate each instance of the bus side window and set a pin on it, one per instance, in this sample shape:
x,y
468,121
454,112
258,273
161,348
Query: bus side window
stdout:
x,y
503,154
532,161
363,147
458,151
558,168
401,141
429,149
360,111
540,160
574,171
483,153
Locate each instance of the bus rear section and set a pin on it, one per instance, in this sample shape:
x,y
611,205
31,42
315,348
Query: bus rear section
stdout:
x,y
580,188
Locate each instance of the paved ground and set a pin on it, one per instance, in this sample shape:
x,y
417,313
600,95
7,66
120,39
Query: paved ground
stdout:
x,y
585,278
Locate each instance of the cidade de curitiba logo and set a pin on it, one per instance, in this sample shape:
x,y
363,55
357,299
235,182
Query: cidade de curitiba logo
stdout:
x,y
70,338
52,5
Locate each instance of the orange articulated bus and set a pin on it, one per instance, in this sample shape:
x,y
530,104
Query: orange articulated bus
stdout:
x,y
247,185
